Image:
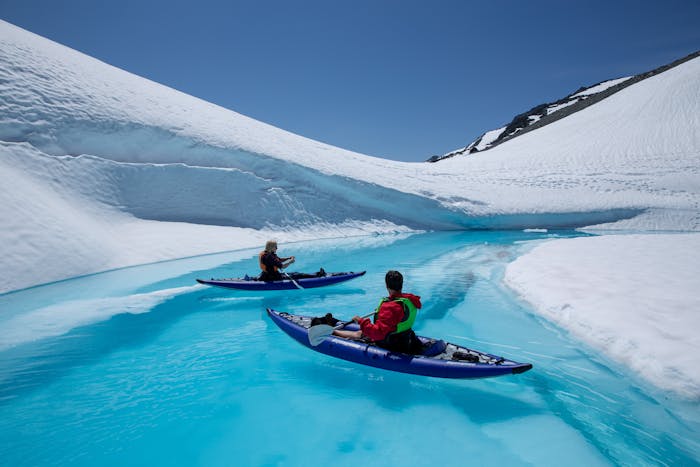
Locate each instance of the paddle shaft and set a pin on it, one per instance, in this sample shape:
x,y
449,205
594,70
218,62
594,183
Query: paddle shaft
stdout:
x,y
342,325
293,281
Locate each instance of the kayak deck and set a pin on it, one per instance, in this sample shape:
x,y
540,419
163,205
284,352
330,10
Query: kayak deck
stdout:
x,y
439,358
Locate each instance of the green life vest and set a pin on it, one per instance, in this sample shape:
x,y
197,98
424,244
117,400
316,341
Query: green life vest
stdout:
x,y
409,313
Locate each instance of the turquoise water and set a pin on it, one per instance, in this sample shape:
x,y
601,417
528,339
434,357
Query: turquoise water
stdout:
x,y
141,366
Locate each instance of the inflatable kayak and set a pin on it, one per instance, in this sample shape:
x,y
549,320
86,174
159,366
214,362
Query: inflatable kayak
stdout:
x,y
251,283
439,359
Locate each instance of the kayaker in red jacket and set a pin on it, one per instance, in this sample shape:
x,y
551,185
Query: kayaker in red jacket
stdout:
x,y
391,328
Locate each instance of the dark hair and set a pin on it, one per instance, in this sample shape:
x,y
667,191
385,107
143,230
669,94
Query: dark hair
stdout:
x,y
394,280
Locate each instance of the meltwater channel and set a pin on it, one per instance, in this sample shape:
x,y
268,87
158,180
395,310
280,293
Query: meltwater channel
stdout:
x,y
143,366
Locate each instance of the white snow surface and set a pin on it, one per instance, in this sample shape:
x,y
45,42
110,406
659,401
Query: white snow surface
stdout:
x,y
634,297
101,169
489,137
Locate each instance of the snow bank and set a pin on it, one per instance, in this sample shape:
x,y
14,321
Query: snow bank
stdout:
x,y
63,221
634,297
56,320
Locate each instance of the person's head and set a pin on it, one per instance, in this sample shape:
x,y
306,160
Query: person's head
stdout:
x,y
394,281
271,246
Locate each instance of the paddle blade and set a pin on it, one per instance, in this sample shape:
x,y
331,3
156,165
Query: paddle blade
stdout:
x,y
319,333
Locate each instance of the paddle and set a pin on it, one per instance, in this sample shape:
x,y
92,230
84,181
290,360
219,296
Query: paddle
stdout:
x,y
318,333
293,281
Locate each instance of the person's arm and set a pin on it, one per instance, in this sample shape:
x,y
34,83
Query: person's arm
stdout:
x,y
390,314
286,262
354,335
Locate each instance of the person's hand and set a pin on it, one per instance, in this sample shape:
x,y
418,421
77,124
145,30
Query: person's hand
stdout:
x,y
357,319
291,260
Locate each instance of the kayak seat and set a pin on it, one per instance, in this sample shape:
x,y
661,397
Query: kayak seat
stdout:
x,y
435,348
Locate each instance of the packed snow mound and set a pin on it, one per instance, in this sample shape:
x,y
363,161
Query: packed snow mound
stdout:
x,y
94,157
605,291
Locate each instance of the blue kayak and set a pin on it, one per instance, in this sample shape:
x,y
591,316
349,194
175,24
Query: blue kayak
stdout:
x,y
439,359
250,283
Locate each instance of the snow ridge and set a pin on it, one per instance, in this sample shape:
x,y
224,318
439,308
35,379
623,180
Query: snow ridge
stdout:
x,y
545,114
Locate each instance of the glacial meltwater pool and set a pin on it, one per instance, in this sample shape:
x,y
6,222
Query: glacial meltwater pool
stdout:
x,y
142,366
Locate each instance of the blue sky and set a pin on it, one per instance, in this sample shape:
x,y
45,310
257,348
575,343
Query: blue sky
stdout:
x,y
400,79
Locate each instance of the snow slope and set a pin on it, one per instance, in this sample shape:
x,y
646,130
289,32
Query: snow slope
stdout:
x,y
82,106
130,150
